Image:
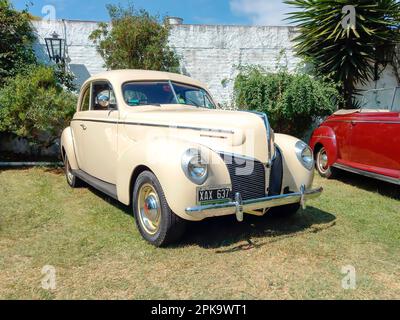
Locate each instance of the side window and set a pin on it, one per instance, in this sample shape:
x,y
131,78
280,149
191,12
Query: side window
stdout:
x,y
85,104
198,98
396,104
194,98
103,97
209,103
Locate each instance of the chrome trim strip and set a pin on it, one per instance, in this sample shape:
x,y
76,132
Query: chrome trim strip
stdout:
x,y
238,206
96,120
264,117
159,125
235,155
214,137
367,173
323,137
364,121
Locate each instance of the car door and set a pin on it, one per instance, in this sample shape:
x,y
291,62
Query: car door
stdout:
x,y
77,126
375,142
98,128
340,124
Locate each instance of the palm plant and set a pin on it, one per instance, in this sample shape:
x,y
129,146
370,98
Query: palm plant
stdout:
x,y
352,53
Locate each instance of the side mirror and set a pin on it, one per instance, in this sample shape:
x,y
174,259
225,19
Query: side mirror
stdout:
x,y
103,101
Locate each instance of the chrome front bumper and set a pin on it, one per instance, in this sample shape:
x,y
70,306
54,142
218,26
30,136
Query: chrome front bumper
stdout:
x,y
240,206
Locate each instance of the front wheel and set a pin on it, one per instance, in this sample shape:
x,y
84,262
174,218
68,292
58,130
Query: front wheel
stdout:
x,y
155,220
322,165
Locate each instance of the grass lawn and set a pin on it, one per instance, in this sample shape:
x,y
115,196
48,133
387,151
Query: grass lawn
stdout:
x,y
98,252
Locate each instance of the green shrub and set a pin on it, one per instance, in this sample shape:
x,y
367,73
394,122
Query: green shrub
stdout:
x,y
16,39
293,102
135,40
33,105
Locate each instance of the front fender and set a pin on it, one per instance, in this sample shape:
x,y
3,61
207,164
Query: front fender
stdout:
x,y
163,157
294,173
67,148
326,137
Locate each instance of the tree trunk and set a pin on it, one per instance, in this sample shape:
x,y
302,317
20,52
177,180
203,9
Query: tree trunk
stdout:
x,y
348,92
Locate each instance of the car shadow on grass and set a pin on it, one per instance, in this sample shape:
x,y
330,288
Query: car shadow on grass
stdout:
x,y
224,232
369,184
115,203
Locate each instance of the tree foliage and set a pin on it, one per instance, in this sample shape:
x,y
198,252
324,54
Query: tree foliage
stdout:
x,y
348,53
292,101
135,40
34,105
16,39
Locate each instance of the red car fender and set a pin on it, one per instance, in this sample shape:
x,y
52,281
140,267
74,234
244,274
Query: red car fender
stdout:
x,y
325,137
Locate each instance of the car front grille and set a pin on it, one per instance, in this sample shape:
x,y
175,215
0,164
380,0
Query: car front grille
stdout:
x,y
247,176
276,176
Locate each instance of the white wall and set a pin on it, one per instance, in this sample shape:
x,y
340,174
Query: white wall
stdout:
x,y
213,53
209,53
83,58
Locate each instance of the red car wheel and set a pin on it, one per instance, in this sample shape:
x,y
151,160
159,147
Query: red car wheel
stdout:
x,y
322,164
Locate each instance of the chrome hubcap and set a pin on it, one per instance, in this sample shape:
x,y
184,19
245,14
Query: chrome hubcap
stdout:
x,y
70,176
149,209
323,160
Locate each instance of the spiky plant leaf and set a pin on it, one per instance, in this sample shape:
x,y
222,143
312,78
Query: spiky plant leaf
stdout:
x,y
349,55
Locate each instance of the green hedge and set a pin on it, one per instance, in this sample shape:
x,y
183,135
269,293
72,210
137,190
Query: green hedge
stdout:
x,y
35,106
293,102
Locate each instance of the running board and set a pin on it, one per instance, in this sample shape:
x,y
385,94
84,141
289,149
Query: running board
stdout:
x,y
367,173
105,187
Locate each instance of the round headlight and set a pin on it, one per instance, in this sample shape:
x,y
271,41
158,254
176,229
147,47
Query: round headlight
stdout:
x,y
194,166
305,155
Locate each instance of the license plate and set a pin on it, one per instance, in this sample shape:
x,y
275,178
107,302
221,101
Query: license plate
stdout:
x,y
213,195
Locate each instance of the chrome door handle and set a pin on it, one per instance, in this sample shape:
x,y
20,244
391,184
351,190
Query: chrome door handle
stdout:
x,y
83,127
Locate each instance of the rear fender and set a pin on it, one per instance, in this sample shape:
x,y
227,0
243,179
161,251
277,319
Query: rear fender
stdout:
x,y
67,148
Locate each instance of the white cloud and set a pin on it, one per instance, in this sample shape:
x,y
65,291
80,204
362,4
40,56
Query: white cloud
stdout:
x,y
261,12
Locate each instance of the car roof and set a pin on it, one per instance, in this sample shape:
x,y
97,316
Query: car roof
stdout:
x,y
121,76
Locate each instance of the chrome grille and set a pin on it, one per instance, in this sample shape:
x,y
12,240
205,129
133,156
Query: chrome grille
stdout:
x,y
247,176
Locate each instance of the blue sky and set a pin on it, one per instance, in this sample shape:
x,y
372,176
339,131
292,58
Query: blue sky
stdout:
x,y
253,12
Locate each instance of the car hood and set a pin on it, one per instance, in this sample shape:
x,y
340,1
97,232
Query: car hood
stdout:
x,y
237,132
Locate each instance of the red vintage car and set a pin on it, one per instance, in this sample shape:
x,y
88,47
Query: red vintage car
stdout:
x,y
364,141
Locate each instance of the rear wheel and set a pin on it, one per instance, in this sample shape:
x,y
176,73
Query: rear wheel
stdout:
x,y
73,181
322,164
154,219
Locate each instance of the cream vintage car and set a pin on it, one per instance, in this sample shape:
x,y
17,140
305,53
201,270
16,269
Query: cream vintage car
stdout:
x,y
156,141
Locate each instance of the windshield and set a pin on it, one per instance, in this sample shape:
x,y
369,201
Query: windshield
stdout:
x,y
165,92
382,99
